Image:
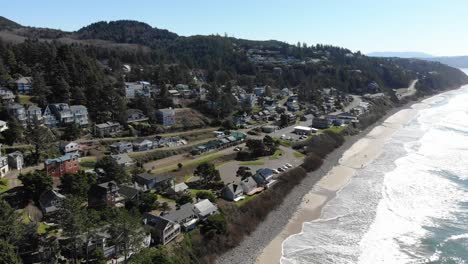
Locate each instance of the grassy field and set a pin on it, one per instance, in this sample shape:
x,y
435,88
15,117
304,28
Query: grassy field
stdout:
x,y
284,143
87,163
25,99
254,162
192,163
298,155
3,185
276,155
336,129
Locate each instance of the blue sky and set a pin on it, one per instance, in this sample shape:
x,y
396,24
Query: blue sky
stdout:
x,y
435,27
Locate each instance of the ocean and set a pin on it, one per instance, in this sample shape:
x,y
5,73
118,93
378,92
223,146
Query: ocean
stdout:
x,y
410,205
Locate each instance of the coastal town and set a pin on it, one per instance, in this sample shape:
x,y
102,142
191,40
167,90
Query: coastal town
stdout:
x,y
125,143
195,169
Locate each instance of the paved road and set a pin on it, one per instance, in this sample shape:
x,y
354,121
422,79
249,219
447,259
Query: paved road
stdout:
x,y
404,92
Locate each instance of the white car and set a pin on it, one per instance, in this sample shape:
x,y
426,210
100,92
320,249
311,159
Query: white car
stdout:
x,y
285,167
275,171
283,136
288,165
281,169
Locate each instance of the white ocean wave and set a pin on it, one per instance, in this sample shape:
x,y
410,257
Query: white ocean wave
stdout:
x,y
389,208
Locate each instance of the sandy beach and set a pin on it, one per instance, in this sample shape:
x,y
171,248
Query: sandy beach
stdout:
x,y
305,202
356,157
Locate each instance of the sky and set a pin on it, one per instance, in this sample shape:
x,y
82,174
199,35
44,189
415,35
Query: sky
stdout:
x,y
436,27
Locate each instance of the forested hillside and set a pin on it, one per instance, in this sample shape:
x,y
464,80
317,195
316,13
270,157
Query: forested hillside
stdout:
x,y
67,70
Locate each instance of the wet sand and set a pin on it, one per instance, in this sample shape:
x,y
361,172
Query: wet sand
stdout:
x,y
359,155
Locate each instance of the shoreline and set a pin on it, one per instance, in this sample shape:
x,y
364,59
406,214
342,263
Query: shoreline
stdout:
x,y
306,201
358,156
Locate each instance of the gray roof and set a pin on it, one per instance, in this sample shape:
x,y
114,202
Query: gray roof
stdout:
x,y
167,110
107,124
106,185
180,214
149,176
157,221
122,158
205,207
128,191
15,154
78,107
180,187
234,188
47,201
25,80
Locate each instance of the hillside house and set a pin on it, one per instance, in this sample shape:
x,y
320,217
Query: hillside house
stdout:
x,y
50,202
24,85
16,160
6,95
164,230
135,115
18,112
142,145
185,216
233,192
3,126
123,160
321,122
166,117
264,177
152,181
107,129
106,193
4,168
121,147
58,167
205,209
34,115
69,147
178,188
250,186
57,115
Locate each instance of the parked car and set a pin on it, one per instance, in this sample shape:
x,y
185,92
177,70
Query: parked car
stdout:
x,y
281,169
275,171
285,167
288,165
283,136
237,149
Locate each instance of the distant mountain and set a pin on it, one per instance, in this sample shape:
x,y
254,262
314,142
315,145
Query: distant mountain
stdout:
x,y
6,23
455,61
404,54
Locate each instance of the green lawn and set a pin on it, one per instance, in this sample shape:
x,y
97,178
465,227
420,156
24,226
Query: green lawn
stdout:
x,y
165,199
194,192
276,155
284,143
25,99
87,163
298,155
191,163
336,129
254,162
3,185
